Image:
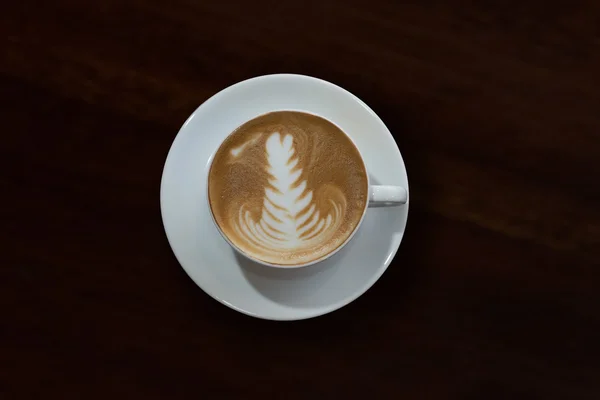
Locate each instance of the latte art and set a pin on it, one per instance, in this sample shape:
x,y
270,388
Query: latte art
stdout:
x,y
290,219
287,188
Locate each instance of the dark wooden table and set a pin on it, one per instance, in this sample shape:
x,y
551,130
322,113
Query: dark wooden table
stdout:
x,y
494,294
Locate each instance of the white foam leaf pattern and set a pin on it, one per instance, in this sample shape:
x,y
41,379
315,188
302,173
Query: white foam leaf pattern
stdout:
x,y
290,219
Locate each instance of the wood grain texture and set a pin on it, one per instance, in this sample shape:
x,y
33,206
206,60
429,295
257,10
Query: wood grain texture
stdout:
x,y
494,293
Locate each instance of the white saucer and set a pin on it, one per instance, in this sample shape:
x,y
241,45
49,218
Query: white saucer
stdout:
x,y
241,284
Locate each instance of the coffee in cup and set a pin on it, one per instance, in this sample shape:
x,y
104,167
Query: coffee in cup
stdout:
x,y
288,188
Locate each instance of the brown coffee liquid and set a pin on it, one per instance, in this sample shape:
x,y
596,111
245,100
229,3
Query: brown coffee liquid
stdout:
x,y
287,187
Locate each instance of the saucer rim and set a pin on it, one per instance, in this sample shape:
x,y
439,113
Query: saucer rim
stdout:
x,y
322,310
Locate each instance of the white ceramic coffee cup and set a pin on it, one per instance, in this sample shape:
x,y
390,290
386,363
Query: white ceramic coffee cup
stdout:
x,y
379,195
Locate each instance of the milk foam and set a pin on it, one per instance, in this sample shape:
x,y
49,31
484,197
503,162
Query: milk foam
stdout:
x,y
290,219
287,187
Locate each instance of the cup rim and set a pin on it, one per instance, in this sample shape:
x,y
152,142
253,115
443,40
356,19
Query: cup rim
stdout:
x,y
308,263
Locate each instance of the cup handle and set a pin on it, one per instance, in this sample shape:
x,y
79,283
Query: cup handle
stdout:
x,y
385,195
